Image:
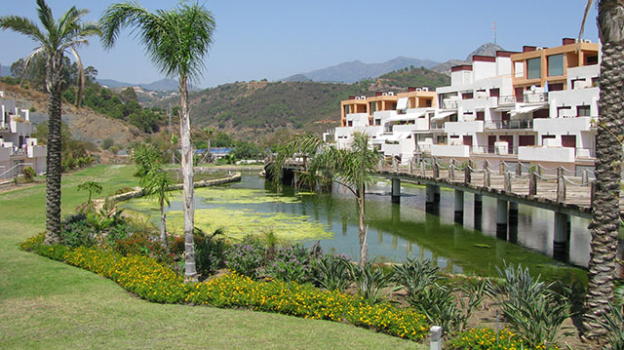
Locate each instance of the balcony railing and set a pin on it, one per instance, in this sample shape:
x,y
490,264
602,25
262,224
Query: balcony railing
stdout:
x,y
434,126
509,124
507,100
450,104
494,150
536,97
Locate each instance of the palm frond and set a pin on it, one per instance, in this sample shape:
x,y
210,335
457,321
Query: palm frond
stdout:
x,y
24,26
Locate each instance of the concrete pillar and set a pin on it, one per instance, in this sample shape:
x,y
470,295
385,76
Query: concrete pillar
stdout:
x,y
396,190
478,212
459,206
436,197
429,198
501,219
561,242
513,222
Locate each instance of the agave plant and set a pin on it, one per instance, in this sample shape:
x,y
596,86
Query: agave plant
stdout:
x,y
371,282
415,275
530,306
334,272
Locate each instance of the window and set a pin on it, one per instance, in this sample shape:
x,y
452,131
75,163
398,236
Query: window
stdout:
x,y
555,87
346,109
592,60
350,123
534,68
583,111
428,102
495,92
555,65
564,112
467,96
373,107
480,115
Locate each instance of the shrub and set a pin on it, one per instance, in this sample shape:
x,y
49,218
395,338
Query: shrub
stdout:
x,y
209,251
415,275
291,264
246,257
371,282
532,309
333,272
29,174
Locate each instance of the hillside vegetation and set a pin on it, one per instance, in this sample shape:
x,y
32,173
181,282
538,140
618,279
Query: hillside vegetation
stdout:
x,y
256,108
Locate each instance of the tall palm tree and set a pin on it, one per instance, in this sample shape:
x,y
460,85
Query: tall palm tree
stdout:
x,y
54,40
606,206
351,168
176,41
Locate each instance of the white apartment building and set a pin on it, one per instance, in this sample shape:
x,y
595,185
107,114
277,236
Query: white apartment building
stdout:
x,y
17,148
535,106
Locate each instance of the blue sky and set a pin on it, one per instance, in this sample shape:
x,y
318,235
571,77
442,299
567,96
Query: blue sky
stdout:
x,y
274,39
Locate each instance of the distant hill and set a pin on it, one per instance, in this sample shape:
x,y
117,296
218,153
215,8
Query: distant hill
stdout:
x,y
488,49
351,72
418,77
160,85
255,109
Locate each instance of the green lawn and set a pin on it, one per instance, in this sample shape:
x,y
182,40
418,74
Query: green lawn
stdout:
x,y
47,304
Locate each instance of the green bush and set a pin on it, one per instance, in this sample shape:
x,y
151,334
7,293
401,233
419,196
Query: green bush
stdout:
x,y
29,174
531,307
247,257
291,264
209,252
333,272
371,282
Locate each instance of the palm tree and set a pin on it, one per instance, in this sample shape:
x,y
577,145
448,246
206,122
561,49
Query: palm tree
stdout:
x,y
154,181
176,42
55,40
606,206
348,167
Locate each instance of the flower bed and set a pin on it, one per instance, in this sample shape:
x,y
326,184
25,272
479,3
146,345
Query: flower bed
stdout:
x,y
157,283
485,338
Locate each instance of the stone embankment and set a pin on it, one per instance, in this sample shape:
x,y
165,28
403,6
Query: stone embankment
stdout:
x,y
138,192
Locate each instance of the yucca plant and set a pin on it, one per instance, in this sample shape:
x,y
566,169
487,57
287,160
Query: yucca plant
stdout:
x,y
415,275
614,325
334,272
530,306
371,282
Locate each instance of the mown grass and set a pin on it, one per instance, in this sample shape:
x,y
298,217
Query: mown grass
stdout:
x,y
47,304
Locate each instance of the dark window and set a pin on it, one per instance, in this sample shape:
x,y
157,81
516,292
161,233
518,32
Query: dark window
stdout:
x,y
555,87
541,113
534,68
555,65
467,96
350,123
583,111
468,140
568,141
495,92
591,60
428,102
526,140
480,115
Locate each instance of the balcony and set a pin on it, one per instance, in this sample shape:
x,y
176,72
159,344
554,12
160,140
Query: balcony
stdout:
x,y
494,150
509,124
535,97
450,104
507,100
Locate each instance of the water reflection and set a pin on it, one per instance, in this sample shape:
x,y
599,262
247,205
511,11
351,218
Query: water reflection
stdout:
x,y
400,231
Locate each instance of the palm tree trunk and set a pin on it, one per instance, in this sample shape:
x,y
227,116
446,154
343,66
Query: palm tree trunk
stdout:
x,y
606,208
163,225
363,244
53,163
187,186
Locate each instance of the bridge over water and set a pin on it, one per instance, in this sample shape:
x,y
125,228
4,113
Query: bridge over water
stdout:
x,y
557,189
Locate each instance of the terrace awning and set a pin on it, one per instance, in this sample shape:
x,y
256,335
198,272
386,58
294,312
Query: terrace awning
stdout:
x,y
442,115
402,104
405,117
524,110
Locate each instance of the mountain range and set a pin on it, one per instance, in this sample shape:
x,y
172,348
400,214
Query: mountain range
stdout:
x,y
160,85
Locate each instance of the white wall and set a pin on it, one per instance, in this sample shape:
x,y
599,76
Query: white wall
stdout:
x,y
459,151
503,66
483,70
573,98
561,126
463,128
358,119
546,154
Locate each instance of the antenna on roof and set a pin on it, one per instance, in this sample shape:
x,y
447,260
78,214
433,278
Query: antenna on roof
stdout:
x,y
494,30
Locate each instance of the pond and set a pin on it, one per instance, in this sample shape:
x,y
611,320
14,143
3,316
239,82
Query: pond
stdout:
x,y
395,231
